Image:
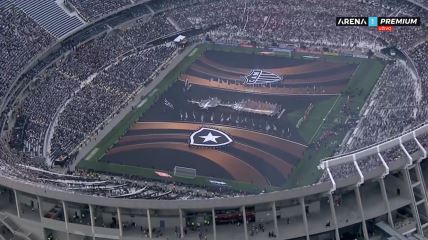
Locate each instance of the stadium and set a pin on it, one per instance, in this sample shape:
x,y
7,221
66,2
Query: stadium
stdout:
x,y
212,119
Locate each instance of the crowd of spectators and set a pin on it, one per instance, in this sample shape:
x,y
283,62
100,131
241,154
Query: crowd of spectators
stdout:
x,y
285,21
394,155
20,40
107,68
144,31
420,57
386,110
270,22
39,111
423,3
170,4
22,167
91,10
103,96
386,116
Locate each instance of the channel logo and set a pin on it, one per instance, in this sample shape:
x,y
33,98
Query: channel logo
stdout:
x,y
352,21
399,21
383,24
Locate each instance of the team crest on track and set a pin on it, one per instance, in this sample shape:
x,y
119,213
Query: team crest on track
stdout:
x,y
257,76
208,137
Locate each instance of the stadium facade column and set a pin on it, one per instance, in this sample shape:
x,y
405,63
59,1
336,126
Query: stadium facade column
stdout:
x,y
275,220
244,218
91,215
331,201
119,221
214,224
410,186
358,197
424,152
413,205
305,219
18,208
385,199
39,201
419,173
149,223
333,216
360,207
383,188
422,185
180,213
64,209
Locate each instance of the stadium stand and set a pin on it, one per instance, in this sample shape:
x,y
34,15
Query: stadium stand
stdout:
x,y
66,78
29,39
382,112
91,10
103,96
49,16
73,97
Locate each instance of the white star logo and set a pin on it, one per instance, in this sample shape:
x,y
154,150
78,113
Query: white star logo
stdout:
x,y
210,138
